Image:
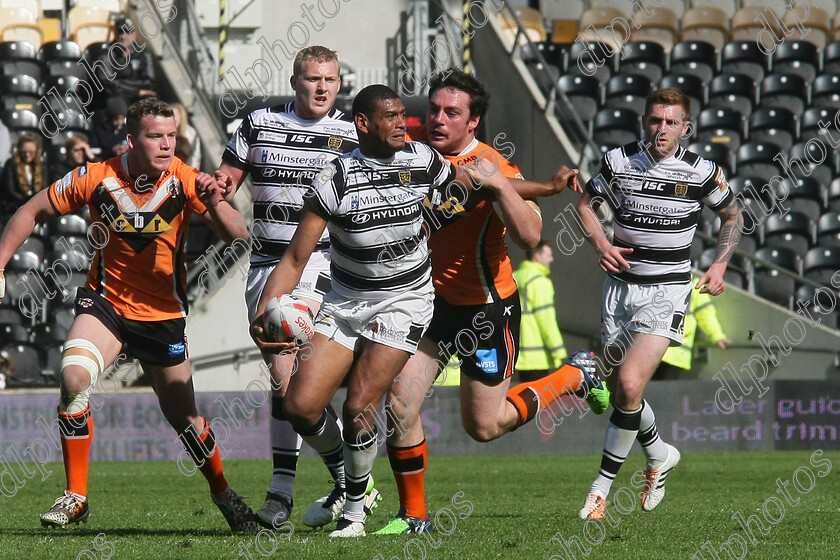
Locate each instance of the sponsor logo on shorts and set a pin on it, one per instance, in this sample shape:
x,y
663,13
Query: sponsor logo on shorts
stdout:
x,y
177,349
85,302
487,360
385,333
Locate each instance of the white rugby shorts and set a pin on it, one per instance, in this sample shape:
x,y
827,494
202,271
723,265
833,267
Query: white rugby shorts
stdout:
x,y
314,282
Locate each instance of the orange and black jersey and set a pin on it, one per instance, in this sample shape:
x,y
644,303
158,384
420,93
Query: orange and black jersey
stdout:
x,y
138,232
470,263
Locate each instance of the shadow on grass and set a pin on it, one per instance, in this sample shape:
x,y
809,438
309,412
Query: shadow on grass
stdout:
x,y
123,532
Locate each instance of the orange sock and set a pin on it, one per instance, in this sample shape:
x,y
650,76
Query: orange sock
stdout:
x,y
529,398
76,438
206,456
409,466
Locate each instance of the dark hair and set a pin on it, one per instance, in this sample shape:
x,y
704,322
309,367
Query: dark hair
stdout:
x,y
454,78
150,106
669,96
316,53
367,100
529,253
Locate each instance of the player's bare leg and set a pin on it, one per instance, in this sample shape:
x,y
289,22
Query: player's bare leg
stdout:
x,y
90,348
173,386
643,354
407,449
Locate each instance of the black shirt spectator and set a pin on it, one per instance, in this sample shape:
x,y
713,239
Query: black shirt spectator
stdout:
x,y
23,174
78,153
108,137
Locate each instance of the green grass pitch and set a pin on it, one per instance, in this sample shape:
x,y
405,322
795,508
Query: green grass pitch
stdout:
x,y
489,507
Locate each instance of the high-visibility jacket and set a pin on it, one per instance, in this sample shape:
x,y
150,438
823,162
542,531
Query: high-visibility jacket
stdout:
x,y
540,343
701,312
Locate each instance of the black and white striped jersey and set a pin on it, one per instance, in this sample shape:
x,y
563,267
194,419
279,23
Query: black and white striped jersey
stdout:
x,y
656,207
374,210
283,153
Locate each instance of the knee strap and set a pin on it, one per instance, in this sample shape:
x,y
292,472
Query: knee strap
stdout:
x,y
75,403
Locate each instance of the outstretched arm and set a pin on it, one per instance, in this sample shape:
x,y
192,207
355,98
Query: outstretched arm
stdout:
x,y
731,226
562,178
221,217
610,257
37,209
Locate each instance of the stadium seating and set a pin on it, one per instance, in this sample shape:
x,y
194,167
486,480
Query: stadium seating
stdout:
x,y
19,92
784,92
831,58
659,26
820,264
26,363
717,153
627,91
800,58
817,21
591,59
809,123
825,91
769,282
706,23
749,21
793,230
833,198
697,58
757,158
615,127
595,22
815,159
805,196
774,125
19,58
584,92
644,58
733,91
828,230
20,24
90,24
744,57
721,126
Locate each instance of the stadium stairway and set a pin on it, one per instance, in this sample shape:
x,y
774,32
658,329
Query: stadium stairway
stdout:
x,y
525,126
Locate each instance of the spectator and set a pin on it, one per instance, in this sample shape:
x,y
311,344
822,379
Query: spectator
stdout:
x,y
189,135
78,152
541,349
183,149
108,137
5,145
701,313
136,78
24,174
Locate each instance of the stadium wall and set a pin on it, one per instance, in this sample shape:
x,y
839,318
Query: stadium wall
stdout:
x,y
699,416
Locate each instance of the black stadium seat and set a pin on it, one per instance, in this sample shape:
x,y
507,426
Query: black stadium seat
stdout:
x,y
644,58
697,58
833,198
785,92
26,363
825,91
19,57
793,230
21,121
19,92
756,158
770,283
775,125
12,333
584,92
820,264
799,58
721,126
831,58
717,153
806,196
627,91
615,127
732,91
828,230
744,57
591,59
61,50
816,159
809,123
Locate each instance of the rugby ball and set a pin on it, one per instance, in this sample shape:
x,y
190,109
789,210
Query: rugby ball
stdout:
x,y
287,319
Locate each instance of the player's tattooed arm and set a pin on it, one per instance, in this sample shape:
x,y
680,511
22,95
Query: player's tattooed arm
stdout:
x,y
731,226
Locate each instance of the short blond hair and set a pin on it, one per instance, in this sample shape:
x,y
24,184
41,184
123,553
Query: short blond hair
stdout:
x,y
316,53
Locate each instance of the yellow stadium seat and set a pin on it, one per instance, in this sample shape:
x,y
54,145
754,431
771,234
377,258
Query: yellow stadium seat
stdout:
x,y
20,24
707,24
90,25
